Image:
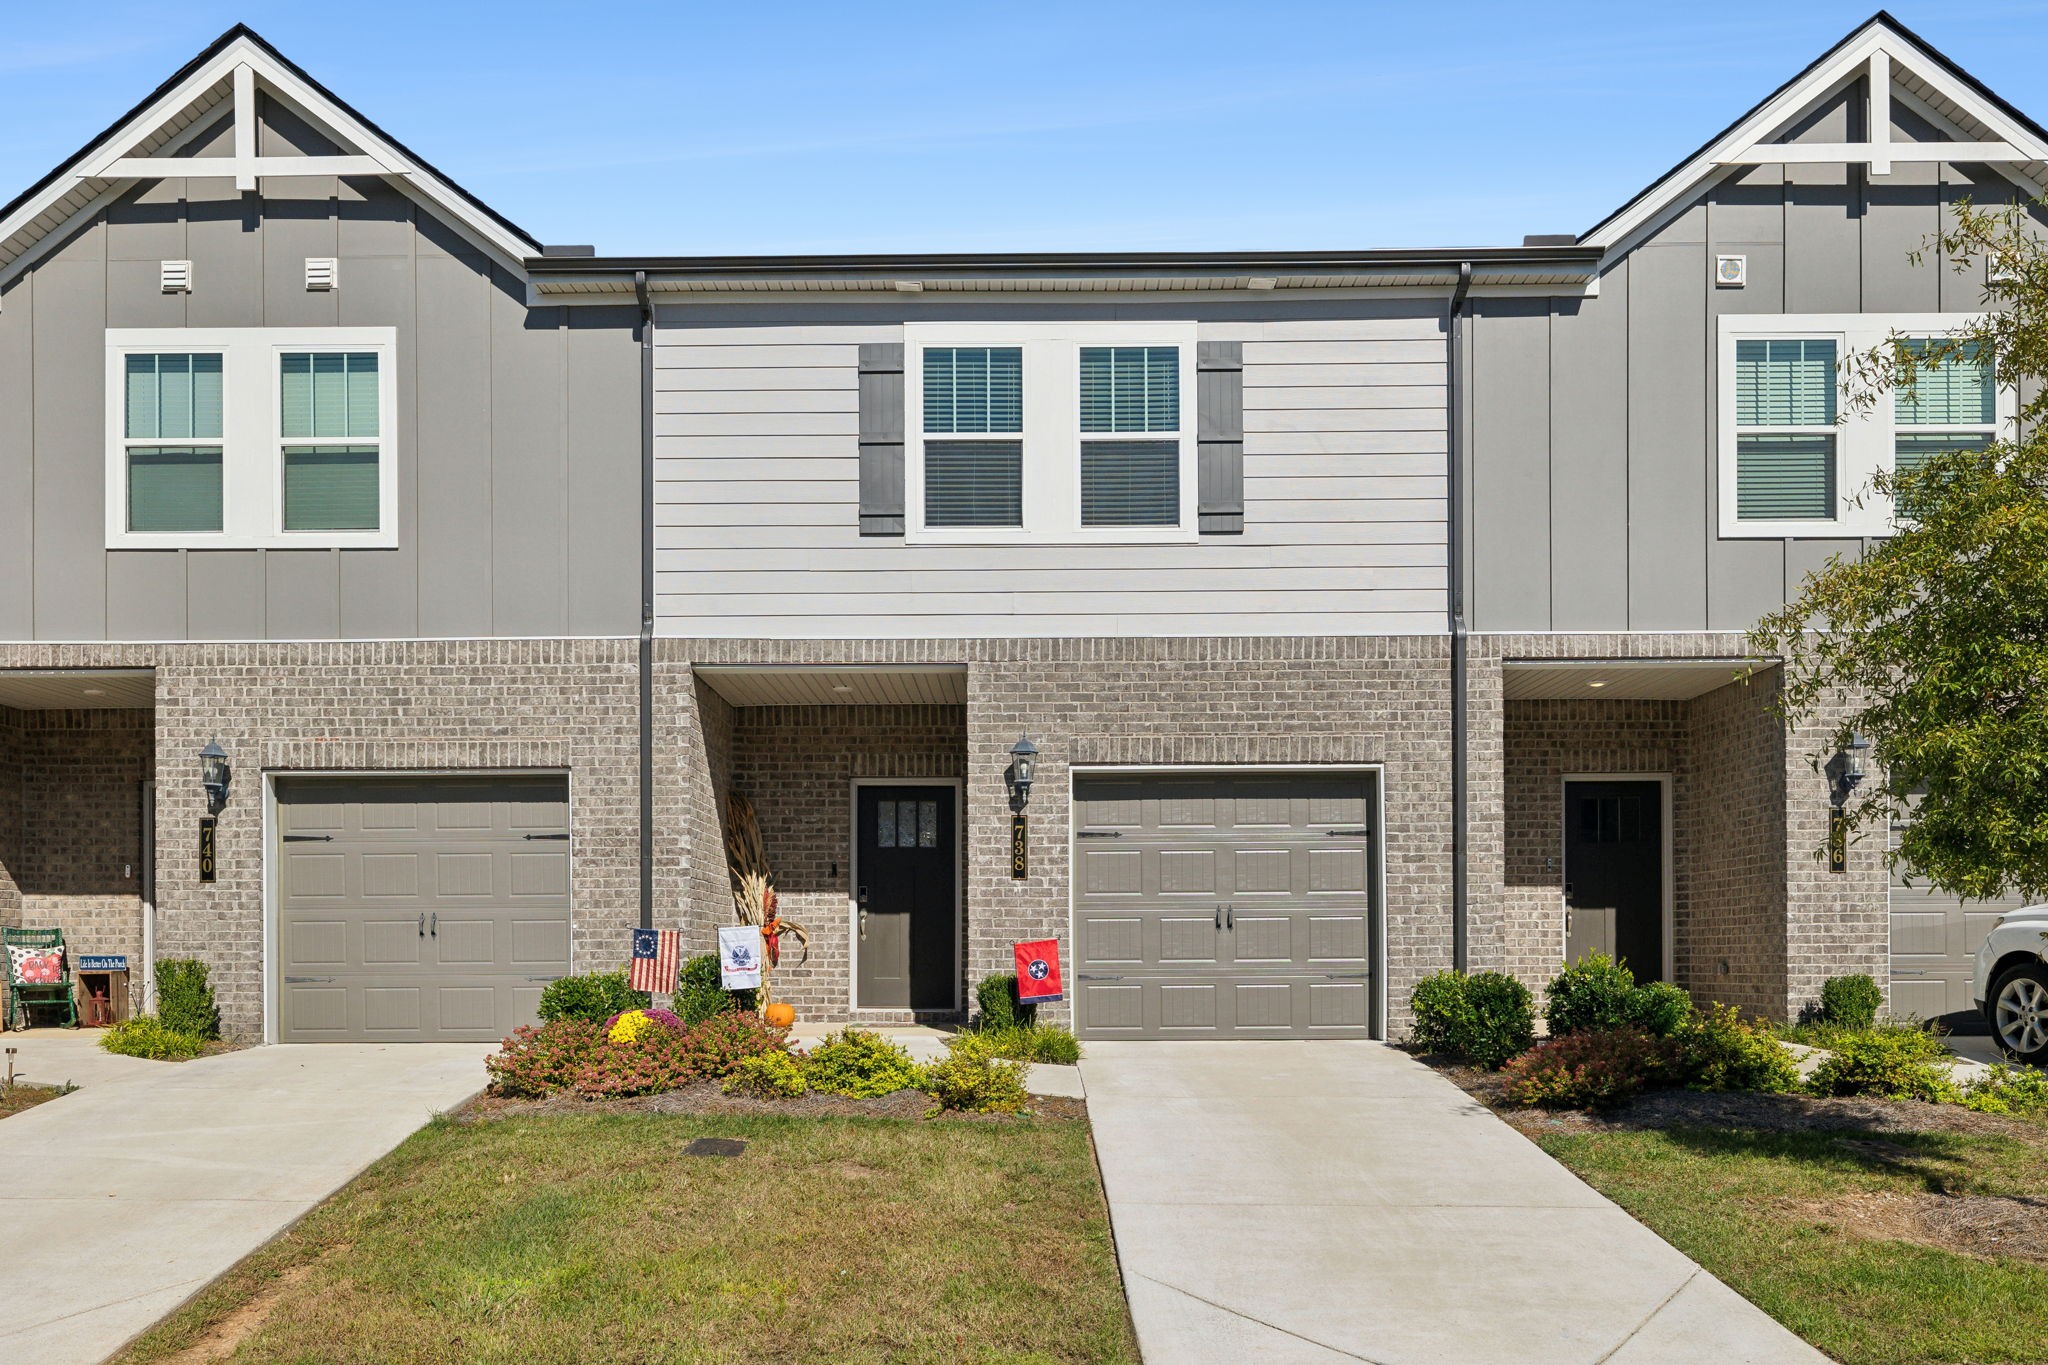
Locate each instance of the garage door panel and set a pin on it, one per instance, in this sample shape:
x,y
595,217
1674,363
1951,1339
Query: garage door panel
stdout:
x,y
428,915
1221,905
1934,942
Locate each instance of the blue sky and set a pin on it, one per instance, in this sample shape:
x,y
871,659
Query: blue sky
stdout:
x,y
687,128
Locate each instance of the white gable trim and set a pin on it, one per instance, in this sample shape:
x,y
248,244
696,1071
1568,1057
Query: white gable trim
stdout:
x,y
1879,51
114,165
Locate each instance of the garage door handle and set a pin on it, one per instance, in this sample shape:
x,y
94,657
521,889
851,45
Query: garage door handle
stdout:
x,y
1347,833
300,980
435,927
1230,918
544,836
1100,834
309,838
1085,976
423,924
1219,919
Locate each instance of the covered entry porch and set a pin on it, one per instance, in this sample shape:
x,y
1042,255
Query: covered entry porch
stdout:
x,y
1645,815
856,779
77,796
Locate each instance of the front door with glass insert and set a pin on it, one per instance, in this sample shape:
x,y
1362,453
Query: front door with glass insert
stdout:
x,y
904,902
1614,872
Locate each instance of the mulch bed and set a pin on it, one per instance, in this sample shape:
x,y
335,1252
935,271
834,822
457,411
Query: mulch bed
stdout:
x,y
1737,1109
706,1097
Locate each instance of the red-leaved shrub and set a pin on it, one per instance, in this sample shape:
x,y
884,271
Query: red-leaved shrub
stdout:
x,y
1587,1070
576,1056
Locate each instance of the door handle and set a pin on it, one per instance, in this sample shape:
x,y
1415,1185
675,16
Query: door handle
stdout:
x,y
1230,918
423,924
435,927
1219,919
863,924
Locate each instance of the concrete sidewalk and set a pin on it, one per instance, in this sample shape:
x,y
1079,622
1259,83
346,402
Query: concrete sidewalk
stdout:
x,y
123,1199
1334,1201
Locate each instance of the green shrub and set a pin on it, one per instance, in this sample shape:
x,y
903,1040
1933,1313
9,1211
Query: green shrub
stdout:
x,y
1592,995
1046,1043
593,998
184,998
1720,1050
974,1079
2009,1090
1000,1008
1894,1063
700,994
767,1076
859,1063
1850,1002
1590,1070
1484,1018
1661,1009
1598,993
147,1035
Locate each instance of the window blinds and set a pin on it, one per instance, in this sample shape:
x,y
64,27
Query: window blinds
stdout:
x,y
973,389
1130,388
1785,383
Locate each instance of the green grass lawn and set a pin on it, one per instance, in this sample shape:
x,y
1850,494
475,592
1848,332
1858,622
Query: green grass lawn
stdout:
x,y
592,1238
1824,1231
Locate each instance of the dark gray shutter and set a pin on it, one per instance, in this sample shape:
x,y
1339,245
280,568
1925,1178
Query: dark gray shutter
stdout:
x,y
881,439
1219,434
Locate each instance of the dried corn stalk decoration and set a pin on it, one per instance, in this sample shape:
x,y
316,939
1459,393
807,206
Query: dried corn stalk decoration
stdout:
x,y
753,888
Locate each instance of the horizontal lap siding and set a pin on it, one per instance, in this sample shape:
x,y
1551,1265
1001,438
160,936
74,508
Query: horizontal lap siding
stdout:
x,y
757,493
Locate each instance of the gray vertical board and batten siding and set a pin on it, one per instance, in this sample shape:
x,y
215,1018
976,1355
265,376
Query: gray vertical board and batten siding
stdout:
x,y
517,440
757,449
1594,501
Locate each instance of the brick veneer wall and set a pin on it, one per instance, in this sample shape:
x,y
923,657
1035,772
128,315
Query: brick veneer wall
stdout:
x,y
1836,923
10,817
1733,889
797,764
1194,702
387,706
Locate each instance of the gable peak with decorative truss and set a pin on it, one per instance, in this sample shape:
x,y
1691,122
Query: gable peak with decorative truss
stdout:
x,y
1896,67
147,144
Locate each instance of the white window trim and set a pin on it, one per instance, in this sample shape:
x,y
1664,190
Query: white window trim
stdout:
x,y
1865,441
252,440
1052,433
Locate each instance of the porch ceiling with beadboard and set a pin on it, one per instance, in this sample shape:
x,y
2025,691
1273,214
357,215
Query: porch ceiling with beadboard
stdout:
x,y
1621,679
745,685
100,689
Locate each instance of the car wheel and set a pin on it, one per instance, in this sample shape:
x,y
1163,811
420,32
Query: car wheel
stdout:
x,y
2019,1013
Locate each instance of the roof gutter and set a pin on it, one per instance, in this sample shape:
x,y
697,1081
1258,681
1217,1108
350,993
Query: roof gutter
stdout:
x,y
646,598
1454,337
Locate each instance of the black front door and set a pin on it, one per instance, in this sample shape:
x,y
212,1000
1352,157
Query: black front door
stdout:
x,y
904,867
1614,872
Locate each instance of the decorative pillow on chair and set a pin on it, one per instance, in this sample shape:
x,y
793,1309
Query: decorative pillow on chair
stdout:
x,y
36,966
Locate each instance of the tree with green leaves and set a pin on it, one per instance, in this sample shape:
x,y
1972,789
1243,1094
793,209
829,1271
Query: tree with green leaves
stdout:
x,y
1933,644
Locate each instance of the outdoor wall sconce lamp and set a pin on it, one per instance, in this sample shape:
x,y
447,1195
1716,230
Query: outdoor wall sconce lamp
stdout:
x,y
1845,769
1023,767
213,775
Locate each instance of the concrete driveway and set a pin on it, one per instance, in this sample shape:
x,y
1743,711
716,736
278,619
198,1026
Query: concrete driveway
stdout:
x,y
120,1201
1336,1201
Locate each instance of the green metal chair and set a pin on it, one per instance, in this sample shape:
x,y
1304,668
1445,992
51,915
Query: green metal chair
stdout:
x,y
20,998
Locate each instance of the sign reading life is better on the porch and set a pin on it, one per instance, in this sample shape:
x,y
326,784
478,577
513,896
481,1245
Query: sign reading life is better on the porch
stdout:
x,y
1038,971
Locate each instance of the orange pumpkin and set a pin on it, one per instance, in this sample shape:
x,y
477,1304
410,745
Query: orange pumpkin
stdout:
x,y
780,1014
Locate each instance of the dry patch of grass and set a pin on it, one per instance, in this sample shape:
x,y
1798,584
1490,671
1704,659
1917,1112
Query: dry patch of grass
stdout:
x,y
18,1097
592,1238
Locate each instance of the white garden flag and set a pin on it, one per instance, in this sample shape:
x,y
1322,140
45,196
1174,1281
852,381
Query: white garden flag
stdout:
x,y
739,956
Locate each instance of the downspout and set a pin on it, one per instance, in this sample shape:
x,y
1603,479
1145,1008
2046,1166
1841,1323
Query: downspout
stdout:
x,y
1454,332
646,599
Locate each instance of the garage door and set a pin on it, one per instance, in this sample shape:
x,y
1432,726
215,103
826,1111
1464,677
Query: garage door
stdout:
x,y
419,910
1216,905
1935,938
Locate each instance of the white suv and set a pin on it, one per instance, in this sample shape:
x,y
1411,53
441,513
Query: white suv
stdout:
x,y
2011,983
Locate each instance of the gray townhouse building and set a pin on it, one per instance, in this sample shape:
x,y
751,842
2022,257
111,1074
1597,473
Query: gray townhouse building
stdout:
x,y
1360,613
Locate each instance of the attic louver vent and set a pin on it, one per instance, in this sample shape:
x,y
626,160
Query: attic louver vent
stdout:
x,y
175,277
322,272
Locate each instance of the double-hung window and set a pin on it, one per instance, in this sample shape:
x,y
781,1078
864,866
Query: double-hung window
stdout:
x,y
226,438
1050,432
1797,459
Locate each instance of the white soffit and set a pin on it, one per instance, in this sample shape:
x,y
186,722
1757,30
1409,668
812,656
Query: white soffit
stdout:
x,y
747,685
125,689
1621,679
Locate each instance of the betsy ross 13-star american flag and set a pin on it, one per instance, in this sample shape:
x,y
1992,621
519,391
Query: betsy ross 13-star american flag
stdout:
x,y
656,955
